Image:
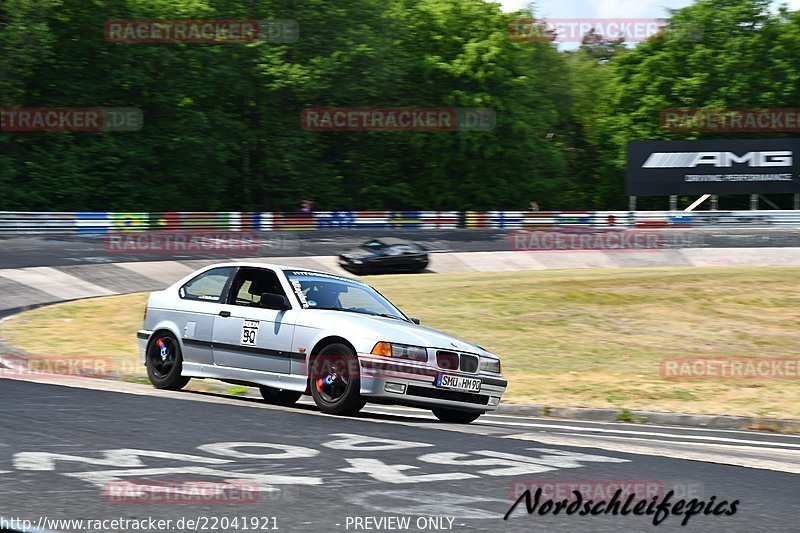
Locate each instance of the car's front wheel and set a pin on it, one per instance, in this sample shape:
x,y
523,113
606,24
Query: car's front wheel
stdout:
x,y
279,396
335,381
164,362
456,417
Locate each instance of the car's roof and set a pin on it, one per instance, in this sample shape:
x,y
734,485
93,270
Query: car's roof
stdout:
x,y
390,240
272,265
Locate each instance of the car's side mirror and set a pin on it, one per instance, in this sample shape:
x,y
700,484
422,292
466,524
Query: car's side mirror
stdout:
x,y
275,301
415,320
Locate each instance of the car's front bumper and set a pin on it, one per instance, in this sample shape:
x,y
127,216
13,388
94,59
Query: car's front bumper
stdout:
x,y
418,385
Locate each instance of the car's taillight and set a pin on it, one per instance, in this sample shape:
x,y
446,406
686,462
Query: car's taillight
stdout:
x,y
144,318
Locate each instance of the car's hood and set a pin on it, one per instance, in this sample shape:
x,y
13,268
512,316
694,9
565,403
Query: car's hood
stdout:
x,y
386,329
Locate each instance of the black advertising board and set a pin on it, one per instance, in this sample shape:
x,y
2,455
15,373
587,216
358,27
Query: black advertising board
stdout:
x,y
693,168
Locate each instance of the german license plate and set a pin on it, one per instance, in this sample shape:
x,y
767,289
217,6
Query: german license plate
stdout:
x,y
447,381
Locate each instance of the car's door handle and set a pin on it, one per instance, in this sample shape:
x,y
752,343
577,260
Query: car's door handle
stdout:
x,y
224,314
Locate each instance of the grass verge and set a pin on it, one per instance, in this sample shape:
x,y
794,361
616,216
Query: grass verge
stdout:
x,y
580,338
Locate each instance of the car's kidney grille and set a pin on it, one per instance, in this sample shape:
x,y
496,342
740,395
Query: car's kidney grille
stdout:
x,y
453,361
469,363
447,360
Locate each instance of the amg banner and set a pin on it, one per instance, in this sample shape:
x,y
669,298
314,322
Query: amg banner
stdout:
x,y
763,166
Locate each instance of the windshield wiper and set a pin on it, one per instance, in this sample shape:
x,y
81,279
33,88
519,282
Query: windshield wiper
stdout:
x,y
386,315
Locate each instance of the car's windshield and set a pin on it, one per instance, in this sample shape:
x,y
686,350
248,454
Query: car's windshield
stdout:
x,y
317,290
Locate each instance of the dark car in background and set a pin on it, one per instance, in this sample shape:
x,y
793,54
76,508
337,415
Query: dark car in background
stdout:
x,y
385,255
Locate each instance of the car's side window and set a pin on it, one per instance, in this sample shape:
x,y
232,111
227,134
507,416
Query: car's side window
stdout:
x,y
251,283
397,249
208,286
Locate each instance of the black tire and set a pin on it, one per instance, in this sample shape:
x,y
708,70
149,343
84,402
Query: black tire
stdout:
x,y
335,381
283,397
164,362
456,417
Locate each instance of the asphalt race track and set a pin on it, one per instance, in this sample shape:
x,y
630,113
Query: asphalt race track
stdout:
x,y
62,447
20,252
93,450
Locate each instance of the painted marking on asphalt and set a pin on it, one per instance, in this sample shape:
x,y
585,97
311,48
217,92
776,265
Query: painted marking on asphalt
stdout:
x,y
41,461
353,442
488,416
103,477
428,503
774,447
55,283
583,430
597,442
230,449
393,473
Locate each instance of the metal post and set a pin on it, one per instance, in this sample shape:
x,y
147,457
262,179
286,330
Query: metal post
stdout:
x,y
754,202
673,202
632,203
714,202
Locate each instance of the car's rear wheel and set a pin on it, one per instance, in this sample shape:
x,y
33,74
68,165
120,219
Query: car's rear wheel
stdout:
x,y
456,417
279,396
164,362
335,381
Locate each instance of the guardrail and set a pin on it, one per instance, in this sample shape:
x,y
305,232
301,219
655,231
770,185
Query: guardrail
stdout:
x,y
55,223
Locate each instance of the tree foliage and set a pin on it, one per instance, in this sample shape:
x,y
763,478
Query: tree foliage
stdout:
x,y
222,121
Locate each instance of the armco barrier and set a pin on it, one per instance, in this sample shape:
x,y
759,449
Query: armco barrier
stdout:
x,y
40,223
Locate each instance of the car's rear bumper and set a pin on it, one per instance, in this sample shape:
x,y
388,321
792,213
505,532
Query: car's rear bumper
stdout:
x,y
142,338
385,379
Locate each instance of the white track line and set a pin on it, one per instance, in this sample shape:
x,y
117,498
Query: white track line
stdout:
x,y
590,431
782,465
627,424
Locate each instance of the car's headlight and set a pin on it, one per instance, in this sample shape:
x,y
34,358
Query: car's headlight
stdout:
x,y
401,351
490,365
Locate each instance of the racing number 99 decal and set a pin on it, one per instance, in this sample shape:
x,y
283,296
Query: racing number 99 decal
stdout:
x,y
249,333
